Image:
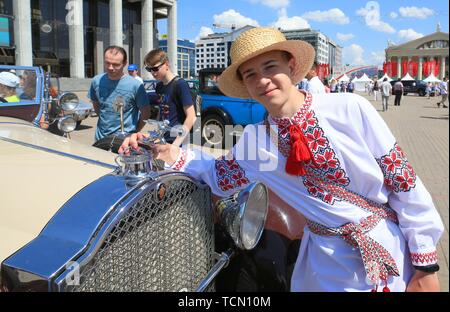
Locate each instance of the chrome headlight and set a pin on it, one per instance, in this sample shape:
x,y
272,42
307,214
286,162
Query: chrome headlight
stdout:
x,y
244,215
68,102
67,124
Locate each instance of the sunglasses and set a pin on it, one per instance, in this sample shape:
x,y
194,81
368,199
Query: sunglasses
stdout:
x,y
154,69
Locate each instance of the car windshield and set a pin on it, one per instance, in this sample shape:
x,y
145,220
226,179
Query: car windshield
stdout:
x,y
17,85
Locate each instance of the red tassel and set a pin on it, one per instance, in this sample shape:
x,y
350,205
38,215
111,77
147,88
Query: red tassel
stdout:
x,y
299,153
386,288
375,289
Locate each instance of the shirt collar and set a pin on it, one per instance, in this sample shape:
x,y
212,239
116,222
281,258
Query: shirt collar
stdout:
x,y
297,118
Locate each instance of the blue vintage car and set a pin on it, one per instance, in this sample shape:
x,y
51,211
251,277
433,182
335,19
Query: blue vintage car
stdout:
x,y
218,110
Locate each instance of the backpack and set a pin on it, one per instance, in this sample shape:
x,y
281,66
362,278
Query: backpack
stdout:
x,y
196,100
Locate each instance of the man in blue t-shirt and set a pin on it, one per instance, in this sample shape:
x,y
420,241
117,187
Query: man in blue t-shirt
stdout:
x,y
107,88
175,99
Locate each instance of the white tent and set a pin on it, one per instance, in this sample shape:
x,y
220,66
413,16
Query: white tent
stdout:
x,y
344,78
385,76
360,84
364,78
408,77
431,78
356,79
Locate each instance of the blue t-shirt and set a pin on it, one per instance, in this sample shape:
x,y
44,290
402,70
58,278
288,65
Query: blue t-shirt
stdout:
x,y
173,98
105,91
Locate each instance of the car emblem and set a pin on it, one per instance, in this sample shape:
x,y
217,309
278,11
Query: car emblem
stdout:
x,y
161,191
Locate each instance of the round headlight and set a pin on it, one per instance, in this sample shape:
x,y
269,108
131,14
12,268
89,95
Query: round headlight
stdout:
x,y
68,102
67,124
254,216
244,215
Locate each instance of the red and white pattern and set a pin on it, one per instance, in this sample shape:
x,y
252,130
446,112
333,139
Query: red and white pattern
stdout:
x,y
325,160
181,161
422,259
399,175
378,262
230,175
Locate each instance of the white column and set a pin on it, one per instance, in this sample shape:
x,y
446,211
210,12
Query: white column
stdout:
x,y
420,69
172,37
115,23
22,33
76,38
442,70
147,33
399,67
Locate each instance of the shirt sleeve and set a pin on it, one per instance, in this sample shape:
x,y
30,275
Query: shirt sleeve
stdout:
x,y
141,96
418,218
184,93
91,93
225,175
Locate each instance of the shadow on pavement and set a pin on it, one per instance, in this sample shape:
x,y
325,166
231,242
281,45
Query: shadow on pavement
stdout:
x,y
429,117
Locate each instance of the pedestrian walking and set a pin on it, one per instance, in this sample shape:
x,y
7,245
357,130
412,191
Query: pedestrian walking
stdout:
x,y
386,90
443,88
371,224
376,90
398,92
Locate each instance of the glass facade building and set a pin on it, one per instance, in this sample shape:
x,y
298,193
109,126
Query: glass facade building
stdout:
x,y
185,55
50,32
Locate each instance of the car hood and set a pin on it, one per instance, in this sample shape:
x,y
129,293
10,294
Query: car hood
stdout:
x,y
39,173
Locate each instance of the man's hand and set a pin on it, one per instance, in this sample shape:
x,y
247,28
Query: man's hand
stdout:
x,y
131,143
167,152
423,282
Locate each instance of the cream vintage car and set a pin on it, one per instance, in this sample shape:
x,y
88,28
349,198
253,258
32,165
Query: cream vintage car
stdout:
x,y
77,218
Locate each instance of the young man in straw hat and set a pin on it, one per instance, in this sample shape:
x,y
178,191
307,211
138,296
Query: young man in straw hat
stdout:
x,y
371,224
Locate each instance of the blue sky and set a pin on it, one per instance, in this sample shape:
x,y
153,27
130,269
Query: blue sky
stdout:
x,y
361,27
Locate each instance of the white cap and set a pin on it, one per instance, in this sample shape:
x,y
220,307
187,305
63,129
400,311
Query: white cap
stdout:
x,y
9,79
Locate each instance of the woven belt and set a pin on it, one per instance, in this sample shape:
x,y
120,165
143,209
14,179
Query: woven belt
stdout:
x,y
378,263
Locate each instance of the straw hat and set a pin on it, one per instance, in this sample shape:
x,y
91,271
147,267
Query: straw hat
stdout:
x,y
257,41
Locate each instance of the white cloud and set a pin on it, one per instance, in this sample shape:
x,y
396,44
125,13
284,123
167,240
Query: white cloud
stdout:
x,y
371,14
335,16
353,55
231,17
274,4
409,34
289,23
345,37
393,15
416,12
204,32
377,57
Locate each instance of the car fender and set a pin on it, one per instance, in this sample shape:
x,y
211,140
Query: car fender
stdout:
x,y
218,111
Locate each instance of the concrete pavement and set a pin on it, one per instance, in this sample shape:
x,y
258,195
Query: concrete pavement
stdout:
x,y
422,130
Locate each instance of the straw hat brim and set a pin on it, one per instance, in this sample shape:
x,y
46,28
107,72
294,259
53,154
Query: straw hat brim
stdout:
x,y
303,53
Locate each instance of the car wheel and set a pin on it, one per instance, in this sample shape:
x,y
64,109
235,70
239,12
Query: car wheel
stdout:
x,y
213,130
405,93
110,143
421,93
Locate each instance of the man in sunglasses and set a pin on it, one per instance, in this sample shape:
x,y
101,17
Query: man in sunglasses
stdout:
x,y
106,88
175,100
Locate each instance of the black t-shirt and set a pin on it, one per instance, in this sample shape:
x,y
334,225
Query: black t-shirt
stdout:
x,y
173,98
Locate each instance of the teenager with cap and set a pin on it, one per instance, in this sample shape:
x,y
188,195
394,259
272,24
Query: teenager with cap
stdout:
x,y
371,224
8,84
133,71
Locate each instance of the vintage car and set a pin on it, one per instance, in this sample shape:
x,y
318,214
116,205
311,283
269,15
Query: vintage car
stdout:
x,y
41,101
219,111
77,218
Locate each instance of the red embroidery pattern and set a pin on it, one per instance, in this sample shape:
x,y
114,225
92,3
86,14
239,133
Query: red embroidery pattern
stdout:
x,y
424,258
181,161
325,161
378,263
230,175
333,191
399,175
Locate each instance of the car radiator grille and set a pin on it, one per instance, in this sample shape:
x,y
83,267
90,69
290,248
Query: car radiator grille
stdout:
x,y
156,246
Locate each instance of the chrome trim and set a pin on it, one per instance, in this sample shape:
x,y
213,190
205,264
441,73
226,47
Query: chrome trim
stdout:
x,y
49,150
215,270
117,211
77,231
